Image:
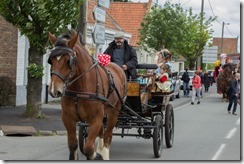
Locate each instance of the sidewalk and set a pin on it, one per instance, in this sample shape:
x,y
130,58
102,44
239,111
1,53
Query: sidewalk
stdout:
x,y
12,121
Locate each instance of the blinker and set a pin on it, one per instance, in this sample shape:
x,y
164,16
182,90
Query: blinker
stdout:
x,y
60,50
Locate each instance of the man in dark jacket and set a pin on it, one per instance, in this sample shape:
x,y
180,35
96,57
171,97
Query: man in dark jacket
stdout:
x,y
233,97
185,78
123,54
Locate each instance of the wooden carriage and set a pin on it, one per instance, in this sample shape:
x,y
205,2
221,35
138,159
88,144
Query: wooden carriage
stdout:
x,y
151,120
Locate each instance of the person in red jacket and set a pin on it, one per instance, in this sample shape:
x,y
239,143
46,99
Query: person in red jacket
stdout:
x,y
196,88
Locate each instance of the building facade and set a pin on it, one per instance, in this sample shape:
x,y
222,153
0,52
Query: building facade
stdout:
x,y
14,47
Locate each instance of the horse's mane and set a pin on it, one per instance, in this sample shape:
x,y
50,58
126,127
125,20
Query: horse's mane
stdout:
x,y
231,66
68,35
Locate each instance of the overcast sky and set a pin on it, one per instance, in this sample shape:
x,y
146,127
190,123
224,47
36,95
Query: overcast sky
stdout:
x,y
227,11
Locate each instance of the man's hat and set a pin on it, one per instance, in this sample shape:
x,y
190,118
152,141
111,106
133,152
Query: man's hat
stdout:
x,y
119,35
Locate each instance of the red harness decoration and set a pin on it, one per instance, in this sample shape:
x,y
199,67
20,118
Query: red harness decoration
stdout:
x,y
104,59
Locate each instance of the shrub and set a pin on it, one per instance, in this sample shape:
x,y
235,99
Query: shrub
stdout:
x,y
7,87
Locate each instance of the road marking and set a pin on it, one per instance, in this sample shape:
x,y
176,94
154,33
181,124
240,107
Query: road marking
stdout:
x,y
181,106
1,133
231,133
221,148
238,122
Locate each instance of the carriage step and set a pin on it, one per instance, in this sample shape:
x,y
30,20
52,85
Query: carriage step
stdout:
x,y
152,106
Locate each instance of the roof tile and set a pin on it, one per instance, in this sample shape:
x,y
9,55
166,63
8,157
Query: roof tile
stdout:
x,y
125,15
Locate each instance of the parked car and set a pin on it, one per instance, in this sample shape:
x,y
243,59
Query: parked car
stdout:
x,y
176,82
191,74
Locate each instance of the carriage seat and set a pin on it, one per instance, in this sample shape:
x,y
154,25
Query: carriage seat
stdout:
x,y
146,66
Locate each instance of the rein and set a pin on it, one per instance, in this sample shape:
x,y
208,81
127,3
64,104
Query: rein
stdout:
x,y
89,95
70,83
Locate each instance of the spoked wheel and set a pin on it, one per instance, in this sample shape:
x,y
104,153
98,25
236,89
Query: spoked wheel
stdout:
x,y
82,137
169,126
158,136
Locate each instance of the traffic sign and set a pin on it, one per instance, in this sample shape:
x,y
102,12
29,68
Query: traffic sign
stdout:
x,y
210,54
99,14
99,34
210,50
104,3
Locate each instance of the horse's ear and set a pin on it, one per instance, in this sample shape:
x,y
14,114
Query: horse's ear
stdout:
x,y
72,42
52,38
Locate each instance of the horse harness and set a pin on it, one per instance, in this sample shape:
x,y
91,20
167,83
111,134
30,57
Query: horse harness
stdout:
x,y
59,50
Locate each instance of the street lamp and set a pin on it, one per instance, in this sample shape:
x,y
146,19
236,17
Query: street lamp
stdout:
x,y
222,37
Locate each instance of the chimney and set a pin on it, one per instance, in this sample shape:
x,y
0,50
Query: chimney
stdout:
x,y
149,5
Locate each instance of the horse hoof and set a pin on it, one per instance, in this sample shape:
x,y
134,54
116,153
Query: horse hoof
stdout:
x,y
98,157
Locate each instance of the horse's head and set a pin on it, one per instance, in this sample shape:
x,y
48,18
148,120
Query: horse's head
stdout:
x,y
228,69
62,60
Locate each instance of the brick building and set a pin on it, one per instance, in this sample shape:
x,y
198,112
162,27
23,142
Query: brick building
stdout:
x,y
8,49
230,47
8,59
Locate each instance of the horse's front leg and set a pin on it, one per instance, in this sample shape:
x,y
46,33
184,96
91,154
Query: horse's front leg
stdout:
x,y
70,126
89,147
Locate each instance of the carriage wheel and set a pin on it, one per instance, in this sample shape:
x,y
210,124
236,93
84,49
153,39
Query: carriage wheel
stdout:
x,y
82,137
169,126
158,136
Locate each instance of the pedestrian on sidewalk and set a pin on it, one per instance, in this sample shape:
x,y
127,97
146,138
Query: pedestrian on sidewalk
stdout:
x,y
185,78
200,74
212,77
233,97
196,88
206,81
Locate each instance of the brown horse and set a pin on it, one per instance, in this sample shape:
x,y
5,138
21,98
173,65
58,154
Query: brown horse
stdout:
x,y
89,92
224,78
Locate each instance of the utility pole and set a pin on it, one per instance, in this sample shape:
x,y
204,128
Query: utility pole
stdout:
x,y
199,59
82,20
222,37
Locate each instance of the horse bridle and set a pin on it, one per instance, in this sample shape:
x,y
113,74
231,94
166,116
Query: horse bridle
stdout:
x,y
60,50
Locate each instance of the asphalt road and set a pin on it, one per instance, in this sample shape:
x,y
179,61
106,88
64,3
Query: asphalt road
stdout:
x,y
203,133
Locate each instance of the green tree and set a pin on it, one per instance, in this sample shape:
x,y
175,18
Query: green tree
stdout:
x,y
176,29
161,27
34,19
195,35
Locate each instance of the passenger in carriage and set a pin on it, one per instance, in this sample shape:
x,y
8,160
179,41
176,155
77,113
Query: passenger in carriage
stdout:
x,y
163,57
163,81
162,84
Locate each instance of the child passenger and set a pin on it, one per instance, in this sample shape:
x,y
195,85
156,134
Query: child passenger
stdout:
x,y
164,83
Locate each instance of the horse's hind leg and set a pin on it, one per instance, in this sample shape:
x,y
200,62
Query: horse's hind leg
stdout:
x,y
108,134
100,144
71,134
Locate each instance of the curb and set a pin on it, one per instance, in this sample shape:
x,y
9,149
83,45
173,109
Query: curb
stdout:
x,y
51,133
37,134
